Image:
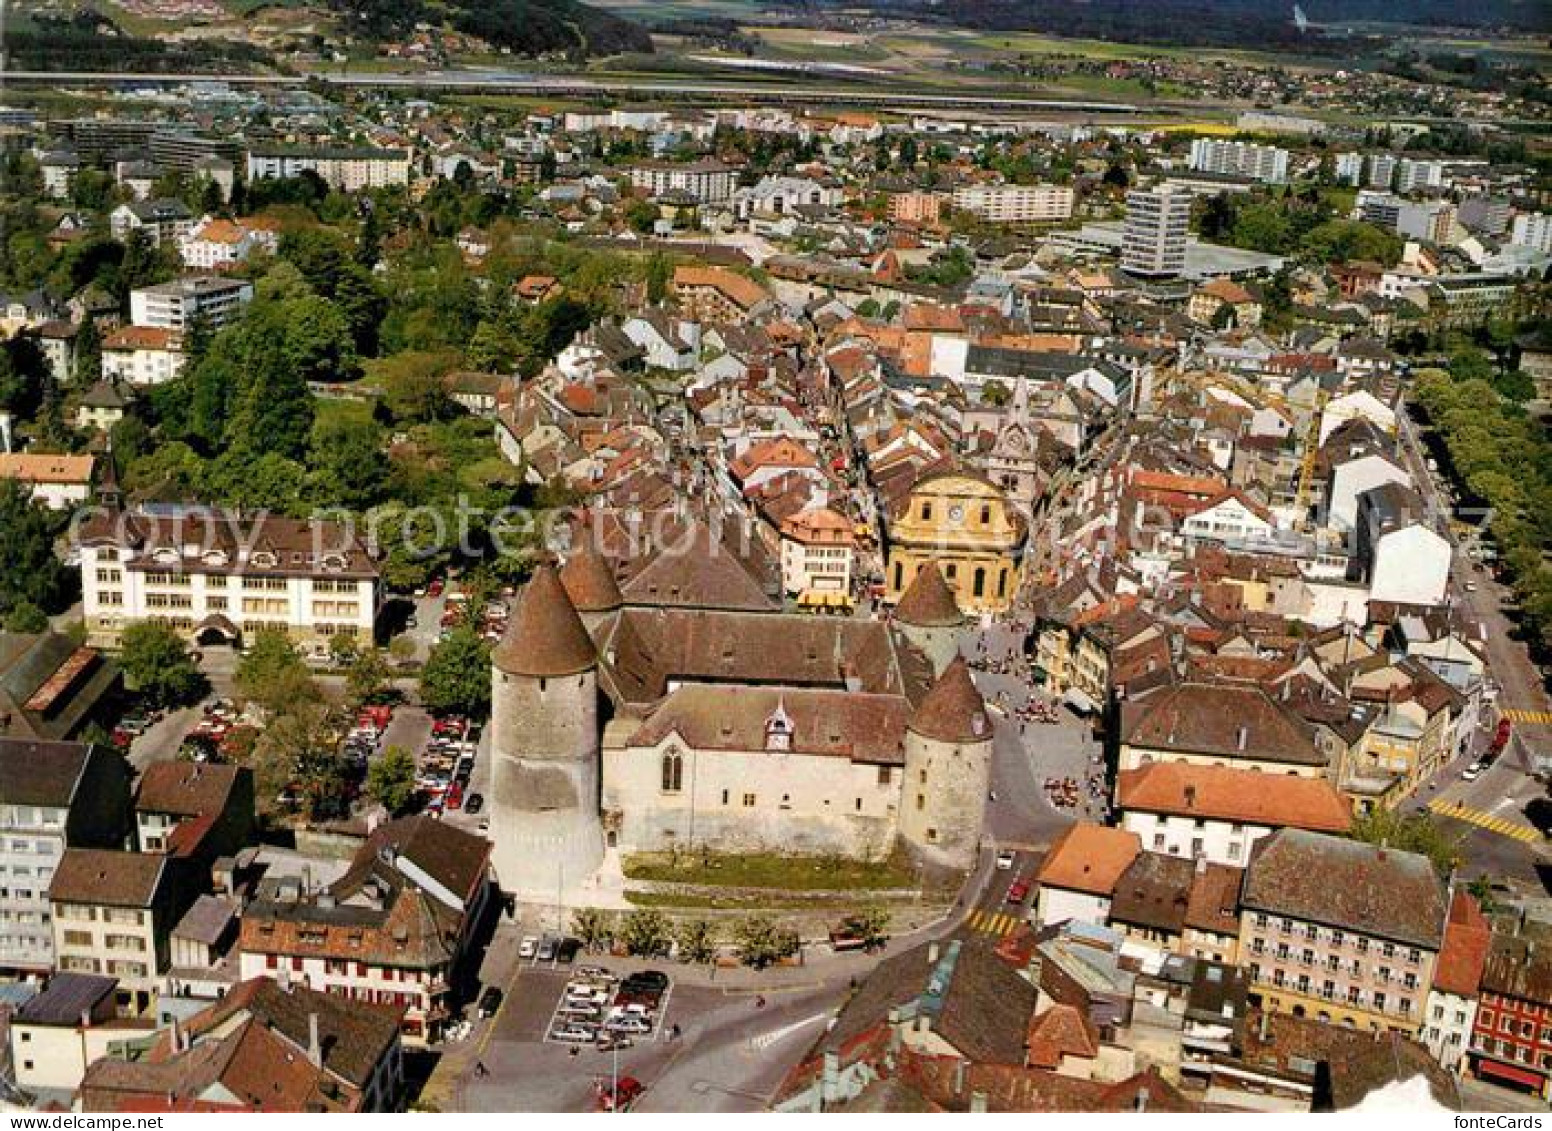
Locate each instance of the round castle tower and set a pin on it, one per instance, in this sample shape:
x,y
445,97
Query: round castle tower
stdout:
x,y
929,617
590,584
544,819
948,769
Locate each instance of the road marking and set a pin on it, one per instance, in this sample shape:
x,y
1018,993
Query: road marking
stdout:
x,y
995,923
1502,826
766,1040
1530,718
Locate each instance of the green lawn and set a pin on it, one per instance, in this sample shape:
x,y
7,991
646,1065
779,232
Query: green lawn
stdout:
x,y
771,870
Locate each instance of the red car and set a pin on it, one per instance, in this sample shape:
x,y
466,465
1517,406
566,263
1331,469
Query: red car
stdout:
x,y
1019,892
1505,729
626,1091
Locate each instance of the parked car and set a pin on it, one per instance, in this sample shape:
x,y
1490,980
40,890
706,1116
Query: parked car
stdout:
x,y
620,1095
1019,892
629,1024
474,804
528,947
1005,859
547,948
575,1034
1473,771
490,1001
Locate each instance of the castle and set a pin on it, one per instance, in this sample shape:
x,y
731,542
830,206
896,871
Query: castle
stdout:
x,y
651,719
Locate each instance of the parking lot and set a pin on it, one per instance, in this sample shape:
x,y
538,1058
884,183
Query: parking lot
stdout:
x,y
599,1008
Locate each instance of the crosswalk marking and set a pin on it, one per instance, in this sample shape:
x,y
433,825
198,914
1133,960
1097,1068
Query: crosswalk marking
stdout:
x,y
1530,718
1503,826
994,922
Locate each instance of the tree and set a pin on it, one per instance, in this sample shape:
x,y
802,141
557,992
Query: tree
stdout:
x,y
593,927
413,388
456,678
367,677
390,780
645,932
30,571
1410,832
273,674
762,943
159,665
871,925
995,393
26,617
697,941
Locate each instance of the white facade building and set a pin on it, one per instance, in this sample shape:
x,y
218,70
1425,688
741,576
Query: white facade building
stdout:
x,y
174,305
208,572
346,170
1533,229
1266,163
1016,204
1153,240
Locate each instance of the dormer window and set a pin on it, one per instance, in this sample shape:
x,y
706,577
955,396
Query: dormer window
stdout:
x,y
778,729
264,559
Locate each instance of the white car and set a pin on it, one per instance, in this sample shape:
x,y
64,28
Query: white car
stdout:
x,y
528,947
1473,771
1005,859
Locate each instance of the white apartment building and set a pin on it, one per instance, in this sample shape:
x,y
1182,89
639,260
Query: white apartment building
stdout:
x,y
160,221
53,796
817,550
215,244
59,170
174,305
1382,170
1418,176
1533,229
1266,163
346,170
1016,204
215,576
779,196
1153,240
113,914
1349,168
709,182
142,355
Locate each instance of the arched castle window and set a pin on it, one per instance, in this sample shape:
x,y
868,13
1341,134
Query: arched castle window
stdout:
x,y
673,771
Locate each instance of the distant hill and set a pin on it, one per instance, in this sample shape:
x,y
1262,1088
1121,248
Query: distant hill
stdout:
x,y
528,27
1265,23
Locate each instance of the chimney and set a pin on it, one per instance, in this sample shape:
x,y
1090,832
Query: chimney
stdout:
x,y
932,951
1191,791
1141,1103
314,1045
1243,737
977,1103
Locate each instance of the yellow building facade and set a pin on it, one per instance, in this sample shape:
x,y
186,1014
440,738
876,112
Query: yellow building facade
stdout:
x,y
967,526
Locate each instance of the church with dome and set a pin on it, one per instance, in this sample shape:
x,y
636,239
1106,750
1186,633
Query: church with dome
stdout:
x,y
678,711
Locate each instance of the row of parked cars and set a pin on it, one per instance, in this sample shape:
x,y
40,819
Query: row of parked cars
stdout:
x,y
600,1009
447,764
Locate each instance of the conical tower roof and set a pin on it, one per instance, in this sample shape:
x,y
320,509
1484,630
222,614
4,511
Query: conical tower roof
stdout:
x,y
953,710
590,582
928,602
546,638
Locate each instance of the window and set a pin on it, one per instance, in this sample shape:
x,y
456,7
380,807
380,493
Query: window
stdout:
x,y
673,771
748,801
921,802
885,774
980,582
724,797
926,512
986,515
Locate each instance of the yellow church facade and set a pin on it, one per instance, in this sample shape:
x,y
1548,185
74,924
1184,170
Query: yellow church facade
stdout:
x,y
966,525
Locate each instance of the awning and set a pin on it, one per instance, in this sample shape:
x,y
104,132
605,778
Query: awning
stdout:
x,y
1523,1076
823,599
1079,701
